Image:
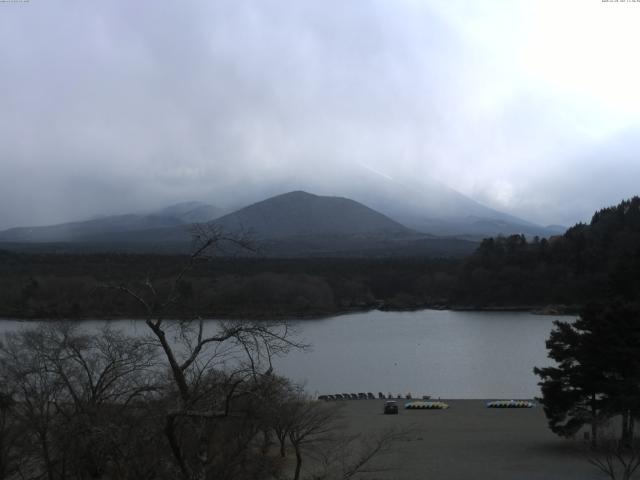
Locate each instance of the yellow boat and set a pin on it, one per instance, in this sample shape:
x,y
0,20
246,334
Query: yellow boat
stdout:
x,y
422,405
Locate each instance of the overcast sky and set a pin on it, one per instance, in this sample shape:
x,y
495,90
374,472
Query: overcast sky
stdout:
x,y
531,107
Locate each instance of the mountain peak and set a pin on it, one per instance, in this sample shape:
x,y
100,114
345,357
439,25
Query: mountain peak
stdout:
x,y
295,195
299,213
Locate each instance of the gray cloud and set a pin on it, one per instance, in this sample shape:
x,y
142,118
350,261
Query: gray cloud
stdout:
x,y
116,106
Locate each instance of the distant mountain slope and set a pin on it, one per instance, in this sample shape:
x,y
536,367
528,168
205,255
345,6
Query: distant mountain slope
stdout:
x,y
78,231
303,214
179,215
426,205
191,212
293,224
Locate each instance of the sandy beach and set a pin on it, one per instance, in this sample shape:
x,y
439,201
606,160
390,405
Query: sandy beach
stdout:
x,y
470,441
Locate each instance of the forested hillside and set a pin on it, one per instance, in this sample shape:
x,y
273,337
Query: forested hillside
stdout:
x,y
589,261
73,286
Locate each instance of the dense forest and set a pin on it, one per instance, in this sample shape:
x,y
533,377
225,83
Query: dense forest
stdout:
x,y
80,286
589,261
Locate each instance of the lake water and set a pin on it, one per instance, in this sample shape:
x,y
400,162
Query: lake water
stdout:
x,y
439,353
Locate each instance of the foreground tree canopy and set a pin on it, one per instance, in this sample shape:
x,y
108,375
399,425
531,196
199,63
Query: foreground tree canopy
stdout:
x,y
183,399
597,372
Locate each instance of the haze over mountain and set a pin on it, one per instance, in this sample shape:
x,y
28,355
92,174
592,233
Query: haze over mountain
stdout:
x,y
405,219
101,228
191,212
292,224
126,106
299,223
424,204
300,213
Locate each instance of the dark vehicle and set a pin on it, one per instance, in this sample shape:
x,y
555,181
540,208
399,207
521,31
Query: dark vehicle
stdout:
x,y
391,407
362,396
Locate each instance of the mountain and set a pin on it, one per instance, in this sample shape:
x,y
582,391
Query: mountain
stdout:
x,y
425,205
104,228
556,229
420,204
191,212
303,214
292,224
302,224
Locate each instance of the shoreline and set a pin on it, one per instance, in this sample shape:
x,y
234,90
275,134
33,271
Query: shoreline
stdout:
x,y
544,310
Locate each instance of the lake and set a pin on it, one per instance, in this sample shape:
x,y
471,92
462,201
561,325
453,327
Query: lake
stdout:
x,y
446,354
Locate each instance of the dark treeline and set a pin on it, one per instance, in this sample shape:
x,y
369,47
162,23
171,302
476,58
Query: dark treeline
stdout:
x,y
590,261
71,286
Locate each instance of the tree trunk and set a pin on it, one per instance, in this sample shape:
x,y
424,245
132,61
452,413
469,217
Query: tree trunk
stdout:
x,y
48,463
170,433
3,466
594,422
282,439
266,442
178,374
283,452
298,462
625,429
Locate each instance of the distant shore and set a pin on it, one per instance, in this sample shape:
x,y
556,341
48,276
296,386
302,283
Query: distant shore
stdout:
x,y
555,310
82,286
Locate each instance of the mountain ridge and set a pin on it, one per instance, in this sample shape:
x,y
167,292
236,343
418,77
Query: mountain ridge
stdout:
x,y
293,223
299,213
183,213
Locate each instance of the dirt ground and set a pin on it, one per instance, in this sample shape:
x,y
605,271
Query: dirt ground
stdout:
x,y
470,441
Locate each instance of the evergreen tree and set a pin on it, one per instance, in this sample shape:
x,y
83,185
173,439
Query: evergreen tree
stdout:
x,y
572,391
618,333
597,372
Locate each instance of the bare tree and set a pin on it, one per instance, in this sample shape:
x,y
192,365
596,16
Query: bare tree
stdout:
x,y
191,399
618,460
9,437
70,393
214,372
319,439
311,424
37,392
350,456
100,367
